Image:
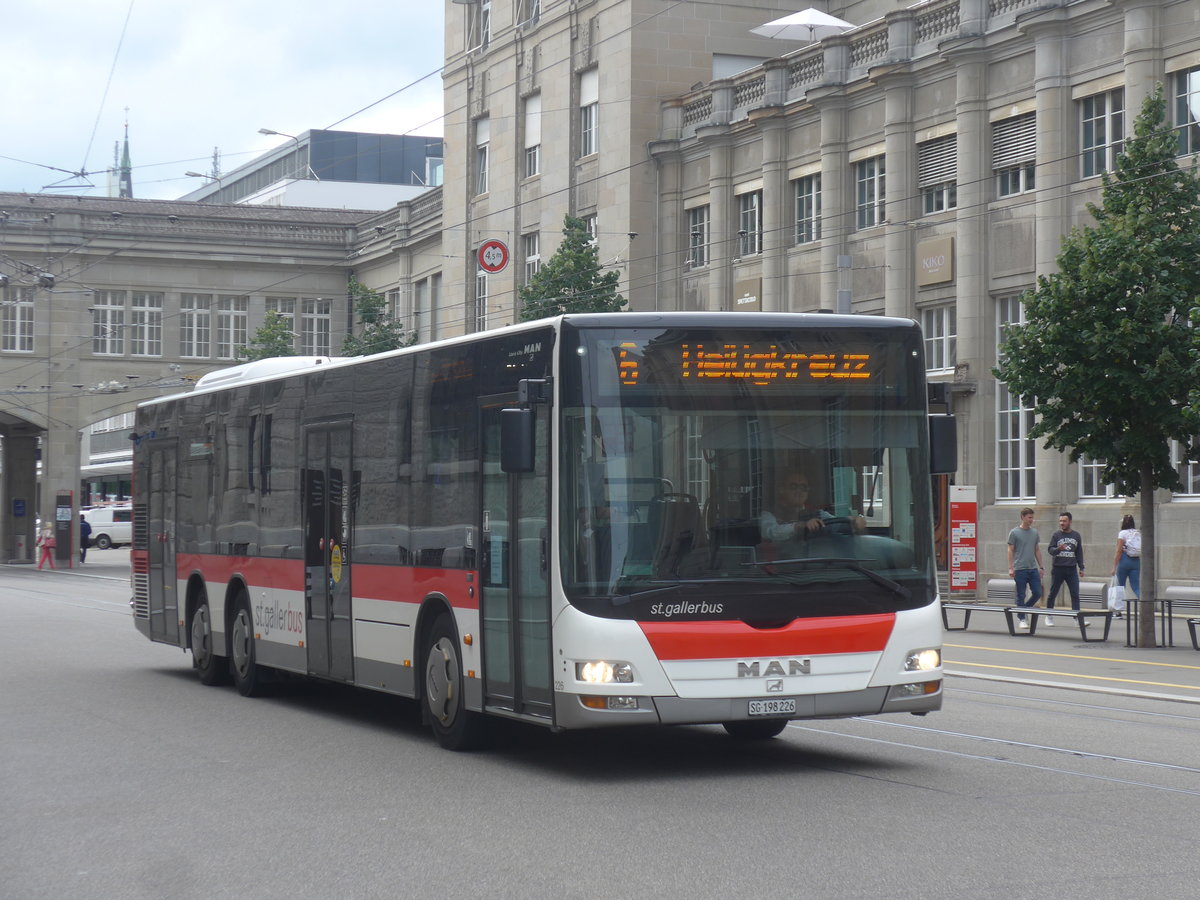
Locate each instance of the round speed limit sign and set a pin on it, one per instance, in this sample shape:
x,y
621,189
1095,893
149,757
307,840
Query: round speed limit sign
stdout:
x,y
493,256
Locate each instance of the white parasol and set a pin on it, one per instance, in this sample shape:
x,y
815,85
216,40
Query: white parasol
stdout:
x,y
808,25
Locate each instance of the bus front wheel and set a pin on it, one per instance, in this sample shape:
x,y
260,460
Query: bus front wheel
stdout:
x,y
755,729
454,726
211,668
248,676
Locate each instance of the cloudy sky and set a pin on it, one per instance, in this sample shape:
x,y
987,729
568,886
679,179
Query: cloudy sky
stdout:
x,y
195,76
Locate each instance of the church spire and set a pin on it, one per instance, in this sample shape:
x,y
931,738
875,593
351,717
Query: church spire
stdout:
x,y
125,178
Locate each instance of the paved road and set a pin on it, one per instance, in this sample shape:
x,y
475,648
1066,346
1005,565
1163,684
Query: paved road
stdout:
x,y
121,776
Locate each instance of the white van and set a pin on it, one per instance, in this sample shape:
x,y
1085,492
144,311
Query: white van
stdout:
x,y
112,526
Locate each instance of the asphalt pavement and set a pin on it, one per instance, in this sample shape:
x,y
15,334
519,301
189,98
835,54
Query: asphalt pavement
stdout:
x,y
1055,656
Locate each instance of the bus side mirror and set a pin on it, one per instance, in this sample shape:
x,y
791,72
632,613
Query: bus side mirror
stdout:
x,y
943,445
516,440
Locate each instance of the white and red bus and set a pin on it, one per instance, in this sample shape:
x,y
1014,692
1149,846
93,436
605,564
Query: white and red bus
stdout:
x,y
560,522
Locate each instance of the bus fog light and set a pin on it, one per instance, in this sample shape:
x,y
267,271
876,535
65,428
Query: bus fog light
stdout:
x,y
622,703
918,688
923,661
604,672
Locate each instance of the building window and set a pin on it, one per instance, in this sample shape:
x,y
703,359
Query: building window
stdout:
x,y
1090,485
531,245
316,319
808,208
749,223
425,302
940,325
481,300
589,111
1187,463
433,171
1015,469
528,13
869,180
1103,131
697,219
1185,90
231,326
533,135
483,136
16,320
145,324
479,25
937,174
592,226
108,323
1014,154
195,325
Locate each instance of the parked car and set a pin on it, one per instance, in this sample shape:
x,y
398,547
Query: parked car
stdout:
x,y
112,526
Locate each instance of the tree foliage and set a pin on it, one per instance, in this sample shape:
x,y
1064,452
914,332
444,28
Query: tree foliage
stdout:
x,y
571,281
377,329
274,338
1106,356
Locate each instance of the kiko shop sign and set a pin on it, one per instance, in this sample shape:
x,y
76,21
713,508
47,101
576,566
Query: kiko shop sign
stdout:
x,y
935,261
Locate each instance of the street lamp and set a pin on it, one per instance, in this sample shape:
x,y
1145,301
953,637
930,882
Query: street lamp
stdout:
x,y
308,168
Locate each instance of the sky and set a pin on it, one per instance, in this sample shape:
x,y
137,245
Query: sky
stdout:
x,y
195,76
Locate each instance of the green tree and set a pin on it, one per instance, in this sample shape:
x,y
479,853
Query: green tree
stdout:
x,y
377,329
571,280
1106,356
274,338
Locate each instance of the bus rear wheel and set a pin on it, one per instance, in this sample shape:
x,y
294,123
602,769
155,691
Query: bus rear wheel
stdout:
x,y
211,668
454,726
755,729
248,676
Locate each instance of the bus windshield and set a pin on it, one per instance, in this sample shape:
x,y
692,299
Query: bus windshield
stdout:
x,y
751,475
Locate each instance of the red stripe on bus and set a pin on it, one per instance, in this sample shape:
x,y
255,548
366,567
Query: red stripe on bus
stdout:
x,y
726,640
403,584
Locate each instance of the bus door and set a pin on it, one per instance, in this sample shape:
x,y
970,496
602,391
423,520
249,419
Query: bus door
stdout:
x,y
327,551
514,572
159,476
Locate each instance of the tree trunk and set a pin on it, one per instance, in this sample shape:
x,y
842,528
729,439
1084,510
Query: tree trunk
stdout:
x,y
1145,635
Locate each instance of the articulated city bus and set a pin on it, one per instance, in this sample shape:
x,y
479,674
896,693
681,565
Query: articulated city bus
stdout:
x,y
571,522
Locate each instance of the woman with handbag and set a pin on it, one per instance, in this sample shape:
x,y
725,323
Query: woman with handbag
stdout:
x,y
48,543
1127,563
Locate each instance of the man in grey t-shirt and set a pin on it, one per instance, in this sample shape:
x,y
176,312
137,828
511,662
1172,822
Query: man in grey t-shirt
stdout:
x,y
1025,562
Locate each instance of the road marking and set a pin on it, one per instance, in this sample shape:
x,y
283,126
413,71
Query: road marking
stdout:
x,y
1129,662
1183,687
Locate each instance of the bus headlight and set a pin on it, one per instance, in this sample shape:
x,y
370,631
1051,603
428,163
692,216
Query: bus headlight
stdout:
x,y
604,672
923,661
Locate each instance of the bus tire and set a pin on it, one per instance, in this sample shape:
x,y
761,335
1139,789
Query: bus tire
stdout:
x,y
454,726
755,729
211,668
248,676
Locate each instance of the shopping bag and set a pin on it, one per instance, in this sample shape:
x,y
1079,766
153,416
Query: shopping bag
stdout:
x,y
1116,596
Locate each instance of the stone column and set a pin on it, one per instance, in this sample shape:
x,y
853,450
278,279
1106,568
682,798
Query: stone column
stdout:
x,y
901,207
837,212
974,400
1057,168
1143,54
19,467
775,219
722,224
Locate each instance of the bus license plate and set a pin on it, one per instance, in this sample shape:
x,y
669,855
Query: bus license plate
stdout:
x,y
781,707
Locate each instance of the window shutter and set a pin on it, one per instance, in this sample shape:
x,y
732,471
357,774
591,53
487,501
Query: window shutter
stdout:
x,y
1014,141
937,161
533,120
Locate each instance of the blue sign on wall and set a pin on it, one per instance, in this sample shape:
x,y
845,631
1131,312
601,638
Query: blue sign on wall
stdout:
x,y
18,508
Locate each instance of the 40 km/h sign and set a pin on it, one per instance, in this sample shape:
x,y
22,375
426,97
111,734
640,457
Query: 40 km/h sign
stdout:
x,y
493,256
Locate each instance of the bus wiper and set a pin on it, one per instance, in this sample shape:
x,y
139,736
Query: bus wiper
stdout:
x,y
845,562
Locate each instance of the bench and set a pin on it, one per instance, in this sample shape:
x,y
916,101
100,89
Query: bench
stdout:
x,y
1005,590
1182,598
1082,616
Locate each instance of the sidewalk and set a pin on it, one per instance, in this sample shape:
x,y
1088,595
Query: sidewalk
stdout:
x,y
1058,657
112,563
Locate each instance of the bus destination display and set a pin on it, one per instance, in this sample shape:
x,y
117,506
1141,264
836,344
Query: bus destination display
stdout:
x,y
752,363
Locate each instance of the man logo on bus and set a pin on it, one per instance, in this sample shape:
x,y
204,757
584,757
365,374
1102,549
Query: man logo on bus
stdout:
x,y
774,667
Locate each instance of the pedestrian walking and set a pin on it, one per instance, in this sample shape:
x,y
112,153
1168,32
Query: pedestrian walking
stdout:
x,y
1127,563
1066,546
85,537
48,543
1025,563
